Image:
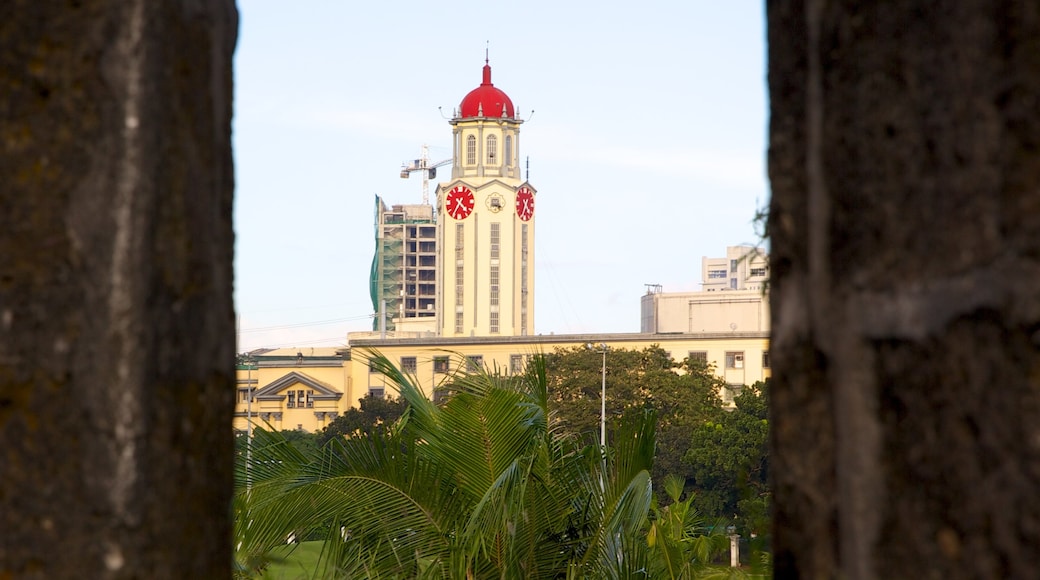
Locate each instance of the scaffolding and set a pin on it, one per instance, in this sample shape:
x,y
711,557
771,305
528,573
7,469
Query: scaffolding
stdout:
x,y
404,268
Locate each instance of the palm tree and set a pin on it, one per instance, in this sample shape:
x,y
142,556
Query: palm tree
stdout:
x,y
480,487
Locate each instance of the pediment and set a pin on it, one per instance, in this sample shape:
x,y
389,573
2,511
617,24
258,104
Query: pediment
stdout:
x,y
321,389
492,184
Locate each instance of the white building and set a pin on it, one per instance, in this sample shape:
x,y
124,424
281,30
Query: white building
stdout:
x,y
743,268
734,298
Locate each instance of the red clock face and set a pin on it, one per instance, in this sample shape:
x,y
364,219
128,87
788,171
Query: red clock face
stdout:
x,y
459,202
524,203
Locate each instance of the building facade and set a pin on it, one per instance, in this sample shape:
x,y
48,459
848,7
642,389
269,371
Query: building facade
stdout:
x,y
486,214
743,268
404,269
686,312
734,297
308,388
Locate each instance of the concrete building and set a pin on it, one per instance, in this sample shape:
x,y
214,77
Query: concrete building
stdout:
x,y
734,297
679,312
308,388
743,268
487,222
404,269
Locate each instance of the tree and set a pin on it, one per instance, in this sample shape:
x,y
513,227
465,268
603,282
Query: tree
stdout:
x,y
728,455
480,487
371,413
682,394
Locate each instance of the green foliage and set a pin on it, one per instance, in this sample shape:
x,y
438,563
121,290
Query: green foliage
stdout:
x,y
684,542
304,442
478,487
729,458
373,412
682,394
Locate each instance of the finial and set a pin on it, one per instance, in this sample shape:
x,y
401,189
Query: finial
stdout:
x,y
487,47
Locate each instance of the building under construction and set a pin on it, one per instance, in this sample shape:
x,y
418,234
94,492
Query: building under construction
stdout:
x,y
404,269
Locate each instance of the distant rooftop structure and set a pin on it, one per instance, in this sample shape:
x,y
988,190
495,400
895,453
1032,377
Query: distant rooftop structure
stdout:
x,y
733,298
743,268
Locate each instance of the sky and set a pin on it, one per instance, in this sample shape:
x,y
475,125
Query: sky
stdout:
x,y
645,137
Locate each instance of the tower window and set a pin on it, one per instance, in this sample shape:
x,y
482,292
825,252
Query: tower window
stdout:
x,y
492,149
509,150
471,150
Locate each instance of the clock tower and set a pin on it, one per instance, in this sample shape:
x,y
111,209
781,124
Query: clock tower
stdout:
x,y
486,216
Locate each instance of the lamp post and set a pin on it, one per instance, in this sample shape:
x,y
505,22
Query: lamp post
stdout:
x,y
602,394
250,365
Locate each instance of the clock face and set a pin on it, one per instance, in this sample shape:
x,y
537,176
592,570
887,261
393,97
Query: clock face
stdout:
x,y
459,202
524,204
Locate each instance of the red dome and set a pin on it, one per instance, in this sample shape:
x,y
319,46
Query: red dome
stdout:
x,y
486,100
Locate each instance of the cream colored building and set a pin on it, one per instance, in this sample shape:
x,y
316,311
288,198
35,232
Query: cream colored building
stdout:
x,y
308,388
734,297
292,388
725,311
743,268
486,214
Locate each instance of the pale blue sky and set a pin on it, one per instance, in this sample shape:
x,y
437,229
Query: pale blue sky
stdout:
x,y
647,146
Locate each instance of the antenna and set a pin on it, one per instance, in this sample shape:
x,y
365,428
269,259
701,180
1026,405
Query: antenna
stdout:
x,y
487,48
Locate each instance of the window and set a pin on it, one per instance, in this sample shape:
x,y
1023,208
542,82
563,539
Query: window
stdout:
x,y
732,283
733,265
493,322
474,362
509,150
523,279
408,364
496,238
516,364
299,398
765,359
717,274
471,150
291,404
758,271
377,392
734,360
731,392
492,149
440,364
310,399
372,366
698,356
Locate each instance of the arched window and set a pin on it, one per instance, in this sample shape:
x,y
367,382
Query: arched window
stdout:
x,y
509,150
492,149
471,150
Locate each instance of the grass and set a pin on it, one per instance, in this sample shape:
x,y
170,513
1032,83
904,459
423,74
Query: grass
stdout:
x,y
296,561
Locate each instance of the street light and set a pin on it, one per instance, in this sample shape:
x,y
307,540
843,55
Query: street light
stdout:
x,y
602,394
250,363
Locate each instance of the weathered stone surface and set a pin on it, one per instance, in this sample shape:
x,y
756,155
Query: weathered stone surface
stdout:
x,y
905,224
116,316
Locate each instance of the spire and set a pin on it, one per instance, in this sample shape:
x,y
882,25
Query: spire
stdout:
x,y
487,65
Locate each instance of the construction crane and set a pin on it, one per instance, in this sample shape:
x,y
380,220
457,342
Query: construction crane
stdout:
x,y
429,171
